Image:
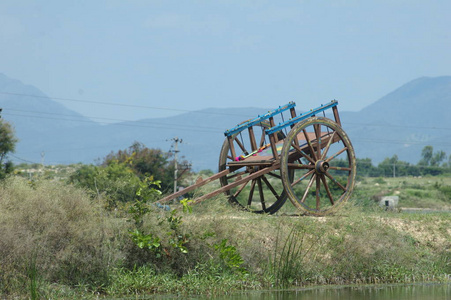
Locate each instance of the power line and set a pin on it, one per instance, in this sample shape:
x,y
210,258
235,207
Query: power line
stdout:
x,y
117,104
194,111
95,102
384,141
158,126
24,160
109,119
101,118
397,126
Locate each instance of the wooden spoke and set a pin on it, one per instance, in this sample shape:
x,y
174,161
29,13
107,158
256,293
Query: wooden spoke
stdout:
x,y
326,149
251,193
317,129
260,191
340,168
308,187
311,159
273,191
318,187
303,177
309,143
299,150
240,145
336,154
240,189
262,139
240,185
326,186
335,181
300,166
274,175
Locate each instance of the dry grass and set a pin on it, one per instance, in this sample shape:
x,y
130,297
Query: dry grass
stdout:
x,y
58,229
71,241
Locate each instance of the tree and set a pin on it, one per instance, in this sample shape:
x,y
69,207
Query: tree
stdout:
x,y
388,166
117,183
430,161
147,162
426,156
7,145
437,158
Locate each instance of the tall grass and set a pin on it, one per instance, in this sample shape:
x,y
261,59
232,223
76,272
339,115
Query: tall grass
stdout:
x,y
53,232
58,242
33,277
290,252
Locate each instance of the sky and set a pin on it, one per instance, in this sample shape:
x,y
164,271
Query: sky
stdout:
x,y
129,60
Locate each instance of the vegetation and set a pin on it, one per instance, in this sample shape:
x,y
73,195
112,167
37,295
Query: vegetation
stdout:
x,y
146,162
431,163
7,145
93,231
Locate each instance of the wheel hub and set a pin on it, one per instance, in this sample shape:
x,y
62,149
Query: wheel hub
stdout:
x,y
321,167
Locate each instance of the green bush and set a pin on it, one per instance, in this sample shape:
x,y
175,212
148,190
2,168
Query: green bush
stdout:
x,y
56,231
446,191
115,182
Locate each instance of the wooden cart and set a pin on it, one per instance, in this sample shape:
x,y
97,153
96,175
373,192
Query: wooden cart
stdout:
x,y
307,158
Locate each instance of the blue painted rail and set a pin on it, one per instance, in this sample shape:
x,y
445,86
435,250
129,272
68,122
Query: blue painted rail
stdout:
x,y
259,119
301,117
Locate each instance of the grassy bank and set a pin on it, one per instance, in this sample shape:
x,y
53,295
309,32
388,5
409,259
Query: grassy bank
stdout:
x,y
58,241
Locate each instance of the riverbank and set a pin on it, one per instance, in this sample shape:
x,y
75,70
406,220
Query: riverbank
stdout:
x,y
58,242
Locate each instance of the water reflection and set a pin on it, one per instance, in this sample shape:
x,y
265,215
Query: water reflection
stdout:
x,y
417,292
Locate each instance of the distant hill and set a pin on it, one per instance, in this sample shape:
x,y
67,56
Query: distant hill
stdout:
x,y
402,123
39,122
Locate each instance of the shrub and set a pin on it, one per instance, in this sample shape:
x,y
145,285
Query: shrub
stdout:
x,y
116,182
57,232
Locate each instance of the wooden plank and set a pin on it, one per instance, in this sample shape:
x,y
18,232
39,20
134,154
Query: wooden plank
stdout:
x,y
194,186
236,183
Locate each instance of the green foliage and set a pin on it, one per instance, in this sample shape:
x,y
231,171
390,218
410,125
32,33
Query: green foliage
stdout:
x,y
141,205
380,180
446,191
230,256
431,163
431,158
144,238
52,233
116,182
7,145
33,276
146,162
288,262
146,241
58,242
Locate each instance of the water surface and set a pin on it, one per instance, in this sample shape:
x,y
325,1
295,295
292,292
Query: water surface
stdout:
x,y
410,292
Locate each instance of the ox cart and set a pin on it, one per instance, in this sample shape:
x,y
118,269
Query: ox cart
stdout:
x,y
307,158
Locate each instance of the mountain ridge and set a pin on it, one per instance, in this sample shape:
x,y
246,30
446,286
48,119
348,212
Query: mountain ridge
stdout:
x,y
402,122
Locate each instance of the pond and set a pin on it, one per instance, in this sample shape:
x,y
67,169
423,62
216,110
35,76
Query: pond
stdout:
x,y
391,292
418,292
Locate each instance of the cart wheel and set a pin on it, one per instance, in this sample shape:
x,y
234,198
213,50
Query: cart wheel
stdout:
x,y
320,155
263,194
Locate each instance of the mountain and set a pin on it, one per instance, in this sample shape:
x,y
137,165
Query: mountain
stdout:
x,y
38,121
402,122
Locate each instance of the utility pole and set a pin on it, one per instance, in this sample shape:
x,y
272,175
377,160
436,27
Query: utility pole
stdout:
x,y
176,151
42,158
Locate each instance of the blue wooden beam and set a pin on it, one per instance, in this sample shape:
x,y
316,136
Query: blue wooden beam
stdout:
x,y
301,117
259,119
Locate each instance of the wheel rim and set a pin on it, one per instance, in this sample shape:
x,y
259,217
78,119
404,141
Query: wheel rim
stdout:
x,y
320,157
264,194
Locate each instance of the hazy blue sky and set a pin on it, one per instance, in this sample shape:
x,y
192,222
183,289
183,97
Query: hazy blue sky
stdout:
x,y
190,55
